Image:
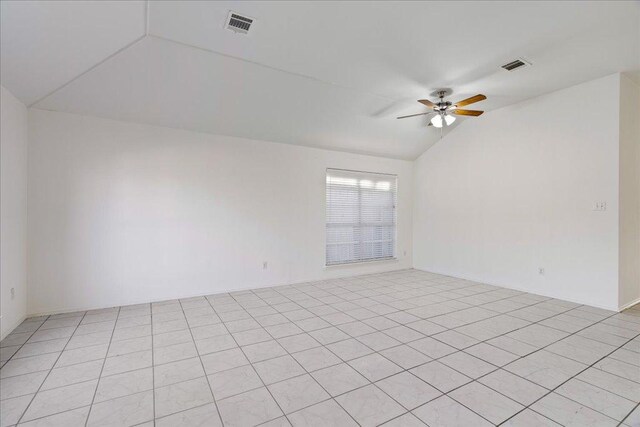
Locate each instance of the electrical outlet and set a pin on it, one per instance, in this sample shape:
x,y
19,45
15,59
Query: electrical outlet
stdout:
x,y
264,265
13,293
600,206
404,253
541,271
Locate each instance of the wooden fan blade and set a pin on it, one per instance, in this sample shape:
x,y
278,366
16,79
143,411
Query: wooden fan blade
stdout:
x,y
414,115
471,100
459,112
427,103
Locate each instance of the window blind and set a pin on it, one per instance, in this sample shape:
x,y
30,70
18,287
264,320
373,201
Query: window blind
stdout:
x,y
361,216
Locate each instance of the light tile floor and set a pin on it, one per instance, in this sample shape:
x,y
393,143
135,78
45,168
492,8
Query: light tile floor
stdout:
x,y
405,348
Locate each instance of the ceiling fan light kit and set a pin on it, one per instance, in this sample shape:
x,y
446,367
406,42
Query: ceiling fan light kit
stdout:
x,y
438,121
445,111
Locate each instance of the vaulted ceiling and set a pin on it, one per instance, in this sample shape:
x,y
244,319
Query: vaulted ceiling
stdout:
x,y
324,74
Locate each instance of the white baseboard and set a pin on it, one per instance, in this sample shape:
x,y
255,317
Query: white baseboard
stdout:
x,y
216,292
7,331
184,296
139,301
246,288
631,304
518,288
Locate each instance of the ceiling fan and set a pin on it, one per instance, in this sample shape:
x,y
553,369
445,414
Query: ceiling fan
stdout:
x,y
445,111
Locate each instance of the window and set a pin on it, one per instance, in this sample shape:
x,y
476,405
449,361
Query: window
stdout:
x,y
361,216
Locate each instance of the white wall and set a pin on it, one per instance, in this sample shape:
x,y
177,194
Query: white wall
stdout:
x,y
13,211
121,213
513,191
629,192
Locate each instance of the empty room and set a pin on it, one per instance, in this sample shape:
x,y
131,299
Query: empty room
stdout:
x,y
320,213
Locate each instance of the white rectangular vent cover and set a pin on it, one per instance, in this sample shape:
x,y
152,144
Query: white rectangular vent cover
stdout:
x,y
516,65
238,23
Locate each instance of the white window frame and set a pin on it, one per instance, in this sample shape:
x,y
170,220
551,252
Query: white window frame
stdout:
x,y
394,224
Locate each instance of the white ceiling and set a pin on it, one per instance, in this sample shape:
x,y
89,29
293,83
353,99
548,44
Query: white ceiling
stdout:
x,y
45,44
324,74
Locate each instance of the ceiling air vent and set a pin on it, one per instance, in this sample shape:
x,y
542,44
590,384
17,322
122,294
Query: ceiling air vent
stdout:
x,y
515,65
238,23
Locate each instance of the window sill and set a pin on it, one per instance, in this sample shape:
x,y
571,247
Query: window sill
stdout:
x,y
361,263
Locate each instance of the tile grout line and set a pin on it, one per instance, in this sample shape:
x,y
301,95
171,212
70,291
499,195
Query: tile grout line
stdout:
x,y
575,375
251,364
104,362
399,324
342,361
570,334
26,341
370,383
367,296
553,390
402,369
298,363
323,345
522,357
484,341
50,369
62,327
473,380
629,414
204,371
153,360
276,357
66,366
437,359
